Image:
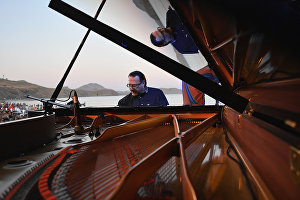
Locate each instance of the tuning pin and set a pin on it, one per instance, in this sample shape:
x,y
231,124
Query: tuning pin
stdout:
x,y
91,134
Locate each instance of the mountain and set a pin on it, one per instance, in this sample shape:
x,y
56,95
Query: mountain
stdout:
x,y
94,89
91,87
18,89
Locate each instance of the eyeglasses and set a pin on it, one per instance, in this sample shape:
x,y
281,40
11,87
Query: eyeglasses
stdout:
x,y
133,85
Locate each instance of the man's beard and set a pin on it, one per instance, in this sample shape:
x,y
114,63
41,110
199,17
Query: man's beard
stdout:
x,y
133,91
168,36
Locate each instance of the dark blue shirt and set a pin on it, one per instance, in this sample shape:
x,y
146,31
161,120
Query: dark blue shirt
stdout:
x,y
183,43
153,97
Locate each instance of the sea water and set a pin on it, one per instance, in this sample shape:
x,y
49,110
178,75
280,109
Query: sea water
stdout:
x,y
111,101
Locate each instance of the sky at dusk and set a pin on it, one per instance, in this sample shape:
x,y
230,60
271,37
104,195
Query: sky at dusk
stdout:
x,y
37,45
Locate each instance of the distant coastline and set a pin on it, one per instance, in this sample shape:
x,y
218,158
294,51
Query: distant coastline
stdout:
x,y
10,90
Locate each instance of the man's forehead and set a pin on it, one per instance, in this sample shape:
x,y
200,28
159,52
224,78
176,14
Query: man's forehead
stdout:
x,y
159,36
134,78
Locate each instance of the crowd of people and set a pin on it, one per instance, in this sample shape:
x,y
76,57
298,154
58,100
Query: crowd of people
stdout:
x,y
14,111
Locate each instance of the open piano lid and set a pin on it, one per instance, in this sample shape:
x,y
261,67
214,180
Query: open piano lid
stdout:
x,y
246,42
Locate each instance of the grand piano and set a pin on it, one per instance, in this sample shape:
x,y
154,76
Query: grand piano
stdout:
x,y
247,148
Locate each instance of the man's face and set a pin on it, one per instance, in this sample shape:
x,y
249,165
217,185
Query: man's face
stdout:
x,y
135,86
163,34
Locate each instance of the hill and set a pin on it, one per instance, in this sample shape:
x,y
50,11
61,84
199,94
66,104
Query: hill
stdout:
x,y
18,89
91,87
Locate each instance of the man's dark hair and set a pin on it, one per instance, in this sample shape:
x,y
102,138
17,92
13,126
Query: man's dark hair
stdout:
x,y
140,75
155,42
